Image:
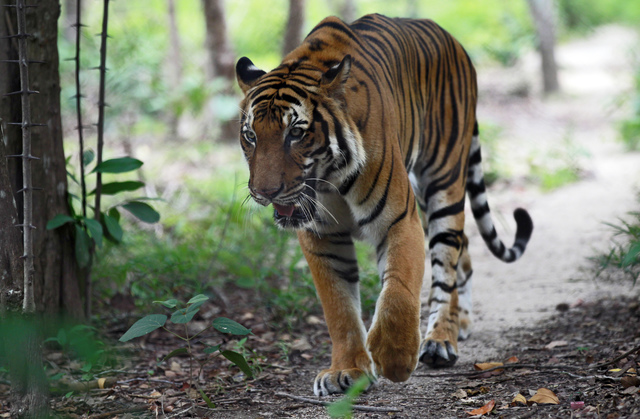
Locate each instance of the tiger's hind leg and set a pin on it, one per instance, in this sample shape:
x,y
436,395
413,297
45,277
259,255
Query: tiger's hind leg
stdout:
x,y
442,200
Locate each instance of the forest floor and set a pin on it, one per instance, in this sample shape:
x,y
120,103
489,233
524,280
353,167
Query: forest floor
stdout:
x,y
568,331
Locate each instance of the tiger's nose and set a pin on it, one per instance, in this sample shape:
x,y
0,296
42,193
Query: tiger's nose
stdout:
x,y
269,193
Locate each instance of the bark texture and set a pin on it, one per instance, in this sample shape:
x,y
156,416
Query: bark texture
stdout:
x,y
56,276
293,32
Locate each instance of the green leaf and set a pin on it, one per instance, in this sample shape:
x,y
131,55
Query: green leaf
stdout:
x,y
87,157
82,247
343,408
114,213
58,220
144,212
173,353
632,255
119,165
68,395
113,227
207,400
240,361
143,326
95,228
211,349
72,177
224,325
113,188
184,315
172,303
198,298
56,377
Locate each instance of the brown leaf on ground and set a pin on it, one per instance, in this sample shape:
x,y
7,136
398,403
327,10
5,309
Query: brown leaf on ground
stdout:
x,y
512,360
544,396
630,381
484,409
483,366
519,399
631,390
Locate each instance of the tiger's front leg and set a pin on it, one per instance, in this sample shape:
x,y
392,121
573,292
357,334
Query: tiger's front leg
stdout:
x,y
394,337
334,267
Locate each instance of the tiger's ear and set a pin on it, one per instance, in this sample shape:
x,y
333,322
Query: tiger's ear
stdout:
x,y
335,78
247,74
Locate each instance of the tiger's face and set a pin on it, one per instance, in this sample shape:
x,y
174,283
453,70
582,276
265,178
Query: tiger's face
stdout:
x,y
296,137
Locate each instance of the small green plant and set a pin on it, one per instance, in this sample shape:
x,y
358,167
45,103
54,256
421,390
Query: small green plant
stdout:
x,y
89,231
343,408
82,342
182,316
560,166
624,255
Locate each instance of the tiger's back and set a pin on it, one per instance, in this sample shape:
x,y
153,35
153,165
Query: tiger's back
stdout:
x,y
354,128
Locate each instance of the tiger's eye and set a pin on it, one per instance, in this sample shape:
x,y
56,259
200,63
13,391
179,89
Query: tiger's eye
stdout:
x,y
250,135
296,132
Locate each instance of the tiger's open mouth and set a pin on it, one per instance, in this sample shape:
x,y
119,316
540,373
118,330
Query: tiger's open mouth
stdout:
x,y
289,211
290,216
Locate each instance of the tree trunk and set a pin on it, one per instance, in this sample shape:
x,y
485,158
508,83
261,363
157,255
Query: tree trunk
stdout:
x,y
11,243
293,32
221,58
56,273
348,11
220,53
544,18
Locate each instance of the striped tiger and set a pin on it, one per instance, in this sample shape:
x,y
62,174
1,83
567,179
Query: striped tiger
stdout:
x,y
359,126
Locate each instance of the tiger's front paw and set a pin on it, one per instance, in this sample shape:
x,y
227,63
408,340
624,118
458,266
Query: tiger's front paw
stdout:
x,y
394,349
338,381
438,353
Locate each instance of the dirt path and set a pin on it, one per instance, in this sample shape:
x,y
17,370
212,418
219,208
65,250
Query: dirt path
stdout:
x,y
568,221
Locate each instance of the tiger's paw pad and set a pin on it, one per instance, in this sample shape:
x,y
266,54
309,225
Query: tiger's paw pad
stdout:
x,y
339,381
437,354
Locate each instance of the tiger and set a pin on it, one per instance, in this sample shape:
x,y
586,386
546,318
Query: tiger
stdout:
x,y
367,131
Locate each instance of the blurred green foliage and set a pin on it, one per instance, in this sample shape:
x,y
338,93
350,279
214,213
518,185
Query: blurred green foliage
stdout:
x,y
630,127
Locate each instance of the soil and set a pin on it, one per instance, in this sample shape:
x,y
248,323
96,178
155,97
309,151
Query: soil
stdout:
x,y
567,331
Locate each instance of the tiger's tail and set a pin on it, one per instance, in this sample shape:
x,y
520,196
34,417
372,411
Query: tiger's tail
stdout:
x,y
480,206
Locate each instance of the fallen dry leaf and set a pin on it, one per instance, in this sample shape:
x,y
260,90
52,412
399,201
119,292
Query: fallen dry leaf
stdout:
x,y
631,390
556,343
460,394
630,381
519,399
512,360
544,396
483,366
484,409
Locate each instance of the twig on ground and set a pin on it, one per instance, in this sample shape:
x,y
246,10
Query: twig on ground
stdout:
x,y
153,380
595,377
501,367
616,359
355,406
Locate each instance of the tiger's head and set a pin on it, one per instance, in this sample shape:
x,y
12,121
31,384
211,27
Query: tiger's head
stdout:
x,y
296,136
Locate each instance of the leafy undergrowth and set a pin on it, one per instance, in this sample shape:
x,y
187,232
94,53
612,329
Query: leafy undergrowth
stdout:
x,y
564,357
